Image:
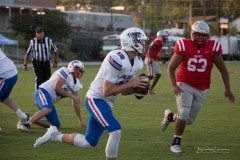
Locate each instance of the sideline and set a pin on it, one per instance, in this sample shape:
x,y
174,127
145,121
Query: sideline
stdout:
x,y
65,64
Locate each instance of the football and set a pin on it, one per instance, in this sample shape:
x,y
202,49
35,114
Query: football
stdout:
x,y
141,92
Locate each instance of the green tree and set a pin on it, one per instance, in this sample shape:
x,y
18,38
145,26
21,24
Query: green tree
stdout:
x,y
54,23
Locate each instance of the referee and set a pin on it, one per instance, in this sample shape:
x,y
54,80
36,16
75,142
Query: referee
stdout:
x,y
40,49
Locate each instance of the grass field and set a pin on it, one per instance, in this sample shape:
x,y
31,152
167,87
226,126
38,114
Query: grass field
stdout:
x,y
214,135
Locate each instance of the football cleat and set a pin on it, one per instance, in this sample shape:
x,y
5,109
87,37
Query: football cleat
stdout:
x,y
23,127
23,124
176,149
166,121
24,118
46,137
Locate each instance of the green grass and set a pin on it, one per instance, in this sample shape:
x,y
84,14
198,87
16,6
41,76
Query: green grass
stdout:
x,y
216,128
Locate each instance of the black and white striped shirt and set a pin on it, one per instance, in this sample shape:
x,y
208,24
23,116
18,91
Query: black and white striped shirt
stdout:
x,y
41,51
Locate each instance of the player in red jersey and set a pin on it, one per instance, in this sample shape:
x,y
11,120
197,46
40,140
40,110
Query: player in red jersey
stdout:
x,y
152,60
195,58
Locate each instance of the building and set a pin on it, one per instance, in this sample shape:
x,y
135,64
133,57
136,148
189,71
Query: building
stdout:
x,y
236,23
80,19
99,21
9,8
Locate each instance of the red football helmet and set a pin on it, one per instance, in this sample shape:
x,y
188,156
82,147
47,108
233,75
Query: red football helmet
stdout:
x,y
200,33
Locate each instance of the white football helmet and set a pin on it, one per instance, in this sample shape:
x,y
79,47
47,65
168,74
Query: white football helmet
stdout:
x,y
200,28
134,39
163,34
75,63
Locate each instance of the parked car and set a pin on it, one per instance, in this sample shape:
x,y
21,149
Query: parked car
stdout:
x,y
109,42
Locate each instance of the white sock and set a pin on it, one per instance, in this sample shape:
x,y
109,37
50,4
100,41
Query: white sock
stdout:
x,y
19,112
57,137
177,136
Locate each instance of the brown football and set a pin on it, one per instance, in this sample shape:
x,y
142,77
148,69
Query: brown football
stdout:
x,y
141,92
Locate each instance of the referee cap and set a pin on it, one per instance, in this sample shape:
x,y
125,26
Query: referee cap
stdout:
x,y
39,29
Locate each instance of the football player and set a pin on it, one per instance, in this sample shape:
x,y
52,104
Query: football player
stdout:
x,y
117,75
195,58
63,83
8,78
152,60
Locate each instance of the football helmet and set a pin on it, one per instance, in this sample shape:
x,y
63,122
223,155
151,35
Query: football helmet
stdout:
x,y
200,33
163,34
134,39
75,63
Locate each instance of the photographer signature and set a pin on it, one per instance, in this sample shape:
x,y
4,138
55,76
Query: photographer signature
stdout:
x,y
214,149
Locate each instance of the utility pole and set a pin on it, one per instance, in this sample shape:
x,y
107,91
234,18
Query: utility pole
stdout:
x,y
143,15
190,14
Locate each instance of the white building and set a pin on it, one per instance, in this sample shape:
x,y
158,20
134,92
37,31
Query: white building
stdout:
x,y
99,21
236,23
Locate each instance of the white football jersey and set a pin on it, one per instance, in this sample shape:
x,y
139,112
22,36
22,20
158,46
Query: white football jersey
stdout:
x,y
7,67
71,85
117,69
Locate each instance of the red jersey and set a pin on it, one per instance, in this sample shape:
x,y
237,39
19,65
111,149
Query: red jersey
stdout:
x,y
196,67
155,51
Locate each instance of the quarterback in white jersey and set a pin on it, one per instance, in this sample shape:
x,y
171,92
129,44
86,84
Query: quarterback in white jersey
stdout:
x,y
8,78
63,83
117,69
117,75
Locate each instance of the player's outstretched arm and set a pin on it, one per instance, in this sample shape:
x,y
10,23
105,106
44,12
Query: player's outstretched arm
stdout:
x,y
218,61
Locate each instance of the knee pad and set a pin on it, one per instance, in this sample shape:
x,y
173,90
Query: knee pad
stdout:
x,y
80,141
189,122
113,143
183,113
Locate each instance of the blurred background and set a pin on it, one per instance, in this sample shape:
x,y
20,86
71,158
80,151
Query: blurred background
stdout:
x,y
88,29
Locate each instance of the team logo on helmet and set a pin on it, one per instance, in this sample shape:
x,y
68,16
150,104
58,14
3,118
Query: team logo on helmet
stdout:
x,y
133,39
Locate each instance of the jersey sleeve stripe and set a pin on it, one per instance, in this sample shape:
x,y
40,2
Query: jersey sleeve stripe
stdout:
x,y
63,74
181,45
216,46
114,63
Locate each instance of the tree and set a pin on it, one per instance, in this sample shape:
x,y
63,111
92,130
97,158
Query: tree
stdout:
x,y
54,23
157,13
